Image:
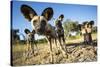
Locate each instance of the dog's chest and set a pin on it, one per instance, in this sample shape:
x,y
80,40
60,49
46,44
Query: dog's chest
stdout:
x,y
50,31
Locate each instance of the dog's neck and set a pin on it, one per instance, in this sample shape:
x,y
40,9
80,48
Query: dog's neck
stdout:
x,y
50,31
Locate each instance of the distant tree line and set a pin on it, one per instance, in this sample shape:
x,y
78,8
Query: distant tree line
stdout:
x,y
15,38
68,25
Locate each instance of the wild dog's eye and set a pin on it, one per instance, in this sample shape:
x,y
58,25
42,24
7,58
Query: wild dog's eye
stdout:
x,y
43,21
35,21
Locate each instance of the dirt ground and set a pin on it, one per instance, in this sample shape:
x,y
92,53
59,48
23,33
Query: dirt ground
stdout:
x,y
77,52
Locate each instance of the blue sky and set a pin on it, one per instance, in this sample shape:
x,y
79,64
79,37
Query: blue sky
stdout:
x,y
74,12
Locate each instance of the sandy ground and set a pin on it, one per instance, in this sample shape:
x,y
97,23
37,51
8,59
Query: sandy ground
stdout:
x,y
76,52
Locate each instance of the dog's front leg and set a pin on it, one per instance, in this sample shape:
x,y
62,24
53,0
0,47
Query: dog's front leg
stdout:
x,y
57,46
51,51
64,43
62,47
56,42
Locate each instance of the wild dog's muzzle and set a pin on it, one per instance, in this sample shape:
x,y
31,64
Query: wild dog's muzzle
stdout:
x,y
41,30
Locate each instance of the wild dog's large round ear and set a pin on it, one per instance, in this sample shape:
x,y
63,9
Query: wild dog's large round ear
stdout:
x,y
61,16
28,12
27,31
91,22
48,13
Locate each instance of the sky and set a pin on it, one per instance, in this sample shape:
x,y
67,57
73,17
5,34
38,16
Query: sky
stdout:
x,y
74,12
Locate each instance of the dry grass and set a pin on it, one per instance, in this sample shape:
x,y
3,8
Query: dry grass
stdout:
x,y
80,53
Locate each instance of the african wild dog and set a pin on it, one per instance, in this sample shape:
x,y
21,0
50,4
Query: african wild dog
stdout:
x,y
60,31
88,27
86,30
30,41
40,23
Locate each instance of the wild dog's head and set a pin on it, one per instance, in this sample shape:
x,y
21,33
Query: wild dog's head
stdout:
x,y
61,17
88,24
39,23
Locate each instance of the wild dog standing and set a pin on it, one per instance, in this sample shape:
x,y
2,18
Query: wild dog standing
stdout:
x,y
86,30
60,31
40,23
88,27
30,40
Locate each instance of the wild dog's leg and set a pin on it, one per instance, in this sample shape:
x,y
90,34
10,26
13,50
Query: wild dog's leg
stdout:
x,y
32,47
62,48
64,43
51,51
27,52
63,39
60,43
35,44
37,47
27,45
59,38
57,47
56,43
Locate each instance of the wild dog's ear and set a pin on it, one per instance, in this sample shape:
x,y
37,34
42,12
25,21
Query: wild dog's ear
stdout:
x,y
27,31
28,12
61,16
33,31
48,13
91,22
